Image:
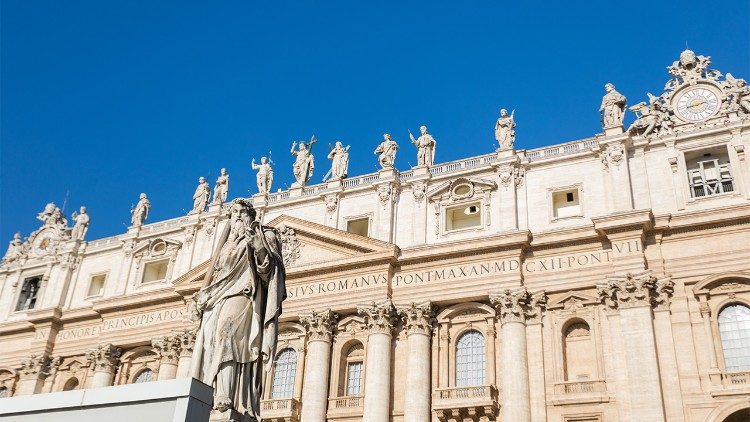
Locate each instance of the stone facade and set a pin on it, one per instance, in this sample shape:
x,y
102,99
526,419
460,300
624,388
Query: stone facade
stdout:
x,y
582,281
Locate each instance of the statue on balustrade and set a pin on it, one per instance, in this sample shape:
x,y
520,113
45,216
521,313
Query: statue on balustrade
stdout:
x,y
387,150
140,211
505,129
304,164
238,308
16,250
221,188
80,224
340,161
612,108
201,195
264,178
425,147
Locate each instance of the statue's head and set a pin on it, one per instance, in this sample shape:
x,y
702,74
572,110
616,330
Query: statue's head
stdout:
x,y
503,112
423,129
338,144
201,180
241,211
608,87
387,136
302,146
143,196
264,160
17,237
223,171
687,58
83,210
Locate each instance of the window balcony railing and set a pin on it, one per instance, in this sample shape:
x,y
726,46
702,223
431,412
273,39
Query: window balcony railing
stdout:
x,y
280,410
735,379
345,407
580,387
457,403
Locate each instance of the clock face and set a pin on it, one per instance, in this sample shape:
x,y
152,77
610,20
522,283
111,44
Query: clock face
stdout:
x,y
697,104
43,243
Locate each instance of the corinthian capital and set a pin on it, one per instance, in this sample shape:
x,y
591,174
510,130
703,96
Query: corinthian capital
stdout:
x,y
35,366
104,357
418,318
187,342
380,317
168,348
518,306
319,324
631,290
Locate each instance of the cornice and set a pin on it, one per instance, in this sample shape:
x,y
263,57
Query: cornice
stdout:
x,y
565,235
518,239
702,217
137,300
619,221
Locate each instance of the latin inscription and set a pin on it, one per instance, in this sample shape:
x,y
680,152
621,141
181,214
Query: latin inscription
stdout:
x,y
351,283
119,323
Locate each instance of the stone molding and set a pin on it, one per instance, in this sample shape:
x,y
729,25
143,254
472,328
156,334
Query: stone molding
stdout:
x,y
418,318
105,358
168,348
633,290
320,325
519,305
35,366
380,317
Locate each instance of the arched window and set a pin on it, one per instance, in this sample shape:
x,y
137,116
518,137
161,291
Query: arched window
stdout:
x,y
145,375
71,384
470,359
734,328
353,362
284,373
578,352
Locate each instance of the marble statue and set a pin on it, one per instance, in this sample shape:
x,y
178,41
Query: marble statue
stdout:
x,y
140,211
201,195
304,164
238,308
505,129
740,93
15,249
221,188
80,224
264,178
612,108
339,157
425,147
52,216
387,150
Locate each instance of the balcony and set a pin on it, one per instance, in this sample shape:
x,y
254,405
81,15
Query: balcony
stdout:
x,y
576,392
344,407
280,410
478,403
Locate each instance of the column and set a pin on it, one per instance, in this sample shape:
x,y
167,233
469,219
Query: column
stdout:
x,y
187,342
418,322
631,295
168,350
300,370
537,385
667,356
105,359
380,319
319,327
33,372
713,373
489,336
444,362
513,308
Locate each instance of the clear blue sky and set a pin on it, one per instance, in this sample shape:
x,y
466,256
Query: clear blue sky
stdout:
x,y
107,99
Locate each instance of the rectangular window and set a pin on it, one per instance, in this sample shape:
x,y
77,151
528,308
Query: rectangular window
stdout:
x,y
96,285
353,378
360,226
463,216
709,172
155,271
29,290
566,203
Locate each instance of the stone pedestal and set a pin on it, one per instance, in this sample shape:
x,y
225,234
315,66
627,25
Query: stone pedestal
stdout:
x,y
319,327
380,319
612,131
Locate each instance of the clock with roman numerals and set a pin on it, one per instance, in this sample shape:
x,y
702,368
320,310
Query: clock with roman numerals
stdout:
x,y
697,103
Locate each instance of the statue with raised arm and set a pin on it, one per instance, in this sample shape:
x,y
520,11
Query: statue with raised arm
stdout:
x,y
80,224
264,177
201,195
221,188
15,250
339,157
612,108
505,129
139,213
425,147
387,150
304,163
238,308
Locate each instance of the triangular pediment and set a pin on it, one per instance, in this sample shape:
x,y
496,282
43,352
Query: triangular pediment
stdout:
x,y
571,300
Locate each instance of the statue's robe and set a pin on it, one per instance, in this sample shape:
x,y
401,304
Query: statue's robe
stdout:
x,y
239,324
